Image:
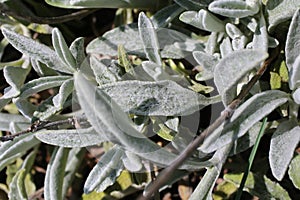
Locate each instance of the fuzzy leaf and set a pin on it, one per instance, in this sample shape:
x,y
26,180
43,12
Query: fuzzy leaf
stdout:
x,y
128,36
203,20
55,174
149,39
226,47
294,74
280,11
64,91
234,8
10,150
62,50
41,84
245,116
262,187
165,98
236,65
20,184
260,37
296,96
246,141
70,138
282,147
17,187
292,48
77,50
15,77
294,171
34,50
111,122
6,119
105,173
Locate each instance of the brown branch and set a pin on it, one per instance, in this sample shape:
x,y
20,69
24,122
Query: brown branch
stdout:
x,y
226,114
39,125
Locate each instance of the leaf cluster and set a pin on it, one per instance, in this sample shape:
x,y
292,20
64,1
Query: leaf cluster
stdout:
x,y
134,82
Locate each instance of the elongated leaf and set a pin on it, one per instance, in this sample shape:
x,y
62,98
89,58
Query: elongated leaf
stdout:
x,y
77,50
203,20
149,39
249,113
105,173
55,174
262,187
294,171
70,138
165,98
17,187
15,77
260,37
18,146
207,183
247,140
128,36
294,80
41,84
62,50
108,119
6,119
20,184
234,8
292,47
282,147
280,11
34,50
236,65
64,91
149,4
226,47
164,16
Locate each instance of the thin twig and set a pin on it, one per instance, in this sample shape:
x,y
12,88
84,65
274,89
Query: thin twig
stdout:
x,y
46,20
38,126
225,115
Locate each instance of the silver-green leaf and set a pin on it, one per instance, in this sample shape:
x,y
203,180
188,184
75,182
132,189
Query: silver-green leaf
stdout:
x,y
283,144
55,174
294,171
104,174
158,98
234,8
110,121
203,20
34,50
235,65
70,138
244,118
149,39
